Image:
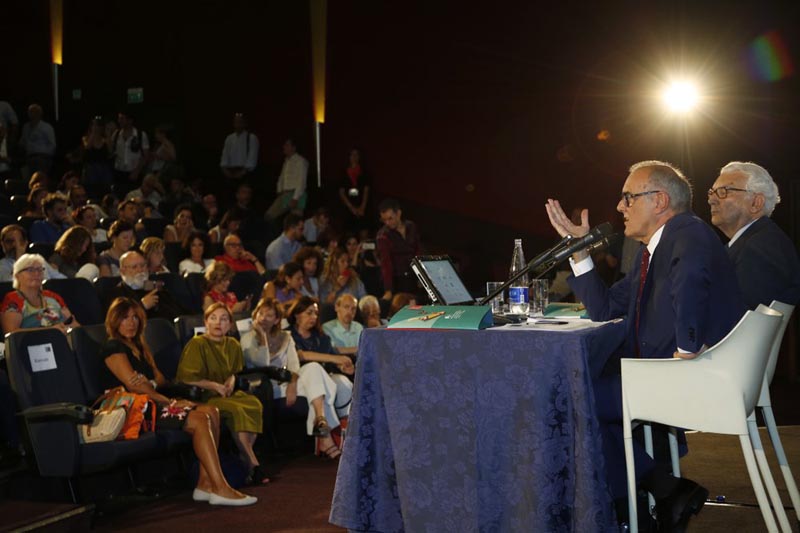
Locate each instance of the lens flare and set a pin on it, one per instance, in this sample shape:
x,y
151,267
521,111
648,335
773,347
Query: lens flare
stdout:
x,y
681,97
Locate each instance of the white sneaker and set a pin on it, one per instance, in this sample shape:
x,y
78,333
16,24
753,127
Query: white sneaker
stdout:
x,y
200,495
216,499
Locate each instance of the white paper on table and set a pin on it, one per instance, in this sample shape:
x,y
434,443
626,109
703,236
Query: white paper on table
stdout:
x,y
42,357
549,324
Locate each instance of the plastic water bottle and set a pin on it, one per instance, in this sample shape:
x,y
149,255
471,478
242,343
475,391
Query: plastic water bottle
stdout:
x,y
518,302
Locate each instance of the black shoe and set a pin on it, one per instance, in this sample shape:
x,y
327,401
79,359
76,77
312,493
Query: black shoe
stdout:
x,y
674,511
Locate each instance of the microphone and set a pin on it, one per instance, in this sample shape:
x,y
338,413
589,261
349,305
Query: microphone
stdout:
x,y
547,254
600,233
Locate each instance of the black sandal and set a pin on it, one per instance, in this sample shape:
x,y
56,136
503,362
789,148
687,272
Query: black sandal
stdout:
x,y
321,428
258,476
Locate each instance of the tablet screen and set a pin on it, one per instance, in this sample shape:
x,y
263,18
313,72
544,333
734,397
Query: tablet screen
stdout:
x,y
446,281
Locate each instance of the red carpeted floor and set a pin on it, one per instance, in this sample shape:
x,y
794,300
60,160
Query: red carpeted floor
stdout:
x,y
299,500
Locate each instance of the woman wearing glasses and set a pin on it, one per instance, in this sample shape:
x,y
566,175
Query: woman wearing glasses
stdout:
x,y
30,306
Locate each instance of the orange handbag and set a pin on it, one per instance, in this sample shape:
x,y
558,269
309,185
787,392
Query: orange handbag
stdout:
x,y
136,406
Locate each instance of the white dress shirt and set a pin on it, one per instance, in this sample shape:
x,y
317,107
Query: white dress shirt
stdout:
x,y
240,151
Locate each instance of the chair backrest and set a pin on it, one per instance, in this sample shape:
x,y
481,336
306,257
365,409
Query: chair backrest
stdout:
x,y
787,311
164,344
178,289
154,227
173,253
43,368
184,327
80,297
86,342
246,284
103,286
16,186
26,222
106,222
326,312
196,284
743,353
45,249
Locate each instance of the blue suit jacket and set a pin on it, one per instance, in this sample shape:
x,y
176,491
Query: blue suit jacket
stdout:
x,y
766,265
690,297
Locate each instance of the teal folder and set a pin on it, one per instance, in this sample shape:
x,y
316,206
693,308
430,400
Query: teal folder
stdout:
x,y
442,317
566,310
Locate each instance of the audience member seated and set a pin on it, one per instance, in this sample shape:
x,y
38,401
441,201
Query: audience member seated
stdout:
x,y
130,211
281,250
156,300
86,216
74,254
178,193
231,223
287,285
39,179
195,247
400,300
110,204
314,346
360,257
311,260
14,244
218,279
370,309
328,242
344,331
55,223
150,190
68,180
251,222
122,238
211,361
36,197
338,278
183,226
239,259
764,257
129,364
267,345
30,306
77,196
211,210
152,248
316,225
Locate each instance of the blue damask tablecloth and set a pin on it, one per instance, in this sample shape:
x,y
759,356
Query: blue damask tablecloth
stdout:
x,y
491,430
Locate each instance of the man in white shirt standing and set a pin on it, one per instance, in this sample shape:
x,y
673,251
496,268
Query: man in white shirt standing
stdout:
x,y
291,184
38,141
129,147
240,152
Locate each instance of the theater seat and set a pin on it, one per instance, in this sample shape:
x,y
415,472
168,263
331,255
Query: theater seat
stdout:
x,y
81,298
51,396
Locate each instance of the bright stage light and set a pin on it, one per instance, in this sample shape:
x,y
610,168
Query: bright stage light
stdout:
x,y
681,97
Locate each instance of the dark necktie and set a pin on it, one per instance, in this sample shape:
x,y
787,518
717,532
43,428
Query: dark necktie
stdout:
x,y
642,278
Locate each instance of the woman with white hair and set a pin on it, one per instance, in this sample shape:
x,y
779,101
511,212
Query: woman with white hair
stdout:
x,y
30,306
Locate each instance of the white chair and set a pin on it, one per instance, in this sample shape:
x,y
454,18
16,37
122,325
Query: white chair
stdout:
x,y
765,403
714,392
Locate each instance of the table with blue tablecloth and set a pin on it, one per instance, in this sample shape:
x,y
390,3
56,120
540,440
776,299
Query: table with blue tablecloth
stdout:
x,y
491,430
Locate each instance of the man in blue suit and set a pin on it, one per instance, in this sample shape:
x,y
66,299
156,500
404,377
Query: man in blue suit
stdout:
x,y
680,298
765,259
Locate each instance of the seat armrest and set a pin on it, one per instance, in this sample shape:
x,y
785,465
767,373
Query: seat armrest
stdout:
x,y
62,411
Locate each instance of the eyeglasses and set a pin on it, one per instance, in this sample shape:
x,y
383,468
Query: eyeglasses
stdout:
x,y
722,192
629,197
33,270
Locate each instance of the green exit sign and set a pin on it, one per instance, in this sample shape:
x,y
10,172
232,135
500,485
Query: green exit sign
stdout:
x,y
135,95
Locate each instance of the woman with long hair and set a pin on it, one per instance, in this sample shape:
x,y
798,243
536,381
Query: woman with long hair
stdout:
x,y
211,361
311,260
74,254
339,278
152,249
86,216
286,285
129,363
196,249
121,236
230,223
